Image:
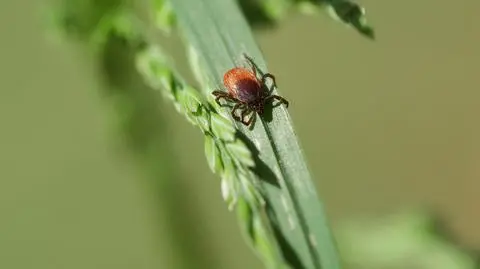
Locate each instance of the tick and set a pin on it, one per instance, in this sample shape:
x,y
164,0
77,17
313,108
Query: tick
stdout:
x,y
248,92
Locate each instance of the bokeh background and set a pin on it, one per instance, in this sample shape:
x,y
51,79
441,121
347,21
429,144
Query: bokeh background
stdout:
x,y
387,126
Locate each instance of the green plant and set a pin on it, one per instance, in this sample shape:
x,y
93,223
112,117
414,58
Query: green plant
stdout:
x,y
265,177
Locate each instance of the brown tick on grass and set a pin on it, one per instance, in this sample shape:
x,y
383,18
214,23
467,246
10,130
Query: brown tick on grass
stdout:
x,y
247,92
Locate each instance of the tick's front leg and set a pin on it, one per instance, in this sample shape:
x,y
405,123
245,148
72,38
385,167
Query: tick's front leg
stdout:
x,y
251,63
221,94
254,69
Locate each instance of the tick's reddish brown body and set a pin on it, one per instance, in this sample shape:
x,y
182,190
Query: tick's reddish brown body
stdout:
x,y
242,84
246,91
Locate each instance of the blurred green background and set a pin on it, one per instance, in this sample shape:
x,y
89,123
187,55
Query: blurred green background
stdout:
x,y
386,126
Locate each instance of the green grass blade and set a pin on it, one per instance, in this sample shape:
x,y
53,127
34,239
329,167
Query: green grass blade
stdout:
x,y
219,34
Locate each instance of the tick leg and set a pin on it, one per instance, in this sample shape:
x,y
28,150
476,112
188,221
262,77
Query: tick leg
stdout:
x,y
247,123
244,114
264,76
250,62
225,95
270,76
235,108
279,98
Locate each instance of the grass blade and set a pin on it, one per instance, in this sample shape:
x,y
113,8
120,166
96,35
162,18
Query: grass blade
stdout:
x,y
219,34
